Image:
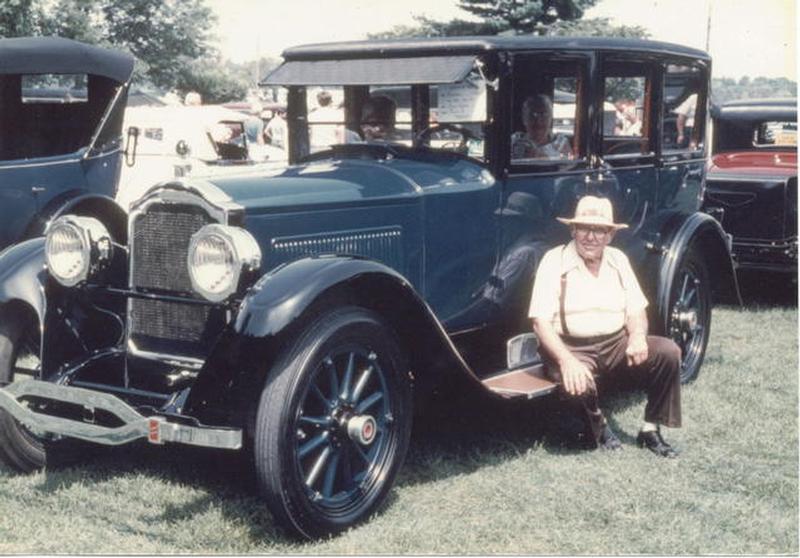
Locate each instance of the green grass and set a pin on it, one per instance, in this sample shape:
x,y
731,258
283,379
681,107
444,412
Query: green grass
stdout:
x,y
481,479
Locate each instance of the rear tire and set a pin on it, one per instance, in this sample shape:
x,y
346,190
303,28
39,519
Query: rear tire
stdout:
x,y
333,424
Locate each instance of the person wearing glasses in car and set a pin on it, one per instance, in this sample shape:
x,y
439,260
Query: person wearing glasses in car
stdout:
x,y
589,314
538,140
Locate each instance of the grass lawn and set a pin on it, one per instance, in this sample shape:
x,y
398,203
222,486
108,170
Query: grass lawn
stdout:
x,y
481,479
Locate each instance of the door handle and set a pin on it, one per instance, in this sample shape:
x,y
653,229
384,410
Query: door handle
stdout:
x,y
38,190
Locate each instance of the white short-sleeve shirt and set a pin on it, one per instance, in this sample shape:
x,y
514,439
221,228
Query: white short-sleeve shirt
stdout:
x,y
592,305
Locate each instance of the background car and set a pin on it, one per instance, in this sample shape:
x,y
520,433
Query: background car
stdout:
x,y
751,185
307,313
61,106
178,141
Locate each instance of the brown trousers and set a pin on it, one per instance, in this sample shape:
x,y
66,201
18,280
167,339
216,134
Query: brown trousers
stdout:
x,y
659,376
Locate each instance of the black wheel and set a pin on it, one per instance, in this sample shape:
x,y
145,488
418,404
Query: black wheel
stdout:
x,y
333,424
689,318
20,449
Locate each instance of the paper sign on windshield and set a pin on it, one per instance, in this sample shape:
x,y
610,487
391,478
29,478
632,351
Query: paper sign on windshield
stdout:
x,y
462,102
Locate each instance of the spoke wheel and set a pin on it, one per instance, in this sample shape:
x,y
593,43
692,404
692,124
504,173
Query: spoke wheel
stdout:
x,y
689,320
333,424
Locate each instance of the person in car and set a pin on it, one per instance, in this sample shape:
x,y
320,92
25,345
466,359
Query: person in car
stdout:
x,y
538,140
589,314
378,119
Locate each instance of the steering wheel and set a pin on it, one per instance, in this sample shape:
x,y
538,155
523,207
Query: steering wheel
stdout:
x,y
462,147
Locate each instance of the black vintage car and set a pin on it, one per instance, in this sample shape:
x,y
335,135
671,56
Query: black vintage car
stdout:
x,y
305,313
751,185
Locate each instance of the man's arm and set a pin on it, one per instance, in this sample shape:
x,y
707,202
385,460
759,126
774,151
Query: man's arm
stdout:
x,y
574,374
636,324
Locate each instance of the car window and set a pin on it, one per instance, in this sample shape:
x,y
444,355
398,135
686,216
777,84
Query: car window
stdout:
x,y
546,111
325,117
682,119
627,88
54,88
774,133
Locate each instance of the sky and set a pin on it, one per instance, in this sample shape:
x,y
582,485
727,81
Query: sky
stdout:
x,y
747,37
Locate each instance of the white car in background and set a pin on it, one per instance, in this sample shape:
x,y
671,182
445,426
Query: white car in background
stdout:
x,y
169,142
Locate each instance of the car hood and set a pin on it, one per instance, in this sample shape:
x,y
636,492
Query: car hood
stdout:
x,y
348,181
773,164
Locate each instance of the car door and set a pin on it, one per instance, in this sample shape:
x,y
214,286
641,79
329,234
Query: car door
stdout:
x,y
541,183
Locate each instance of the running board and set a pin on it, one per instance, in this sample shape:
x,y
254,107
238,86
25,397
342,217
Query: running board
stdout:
x,y
528,382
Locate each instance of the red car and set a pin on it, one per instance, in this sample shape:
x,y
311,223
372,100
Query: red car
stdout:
x,y
751,185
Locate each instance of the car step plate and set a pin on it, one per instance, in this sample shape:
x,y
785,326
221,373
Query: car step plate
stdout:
x,y
528,382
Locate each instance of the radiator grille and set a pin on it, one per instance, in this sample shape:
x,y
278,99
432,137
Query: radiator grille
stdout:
x,y
161,243
159,247
379,244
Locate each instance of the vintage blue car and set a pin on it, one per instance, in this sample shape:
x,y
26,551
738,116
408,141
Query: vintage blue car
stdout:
x,y
305,314
61,108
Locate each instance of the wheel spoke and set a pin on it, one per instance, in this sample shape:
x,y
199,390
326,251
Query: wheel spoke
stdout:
x,y
315,389
369,402
689,297
683,287
361,453
315,421
348,377
312,444
333,376
330,474
361,384
319,464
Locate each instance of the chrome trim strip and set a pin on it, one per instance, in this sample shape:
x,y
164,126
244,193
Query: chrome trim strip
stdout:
x,y
74,159
156,429
174,360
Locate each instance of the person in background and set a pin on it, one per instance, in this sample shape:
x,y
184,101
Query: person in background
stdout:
x,y
325,122
589,314
538,140
685,120
276,129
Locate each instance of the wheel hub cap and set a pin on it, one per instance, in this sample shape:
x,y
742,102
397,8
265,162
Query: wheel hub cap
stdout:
x,y
688,320
362,429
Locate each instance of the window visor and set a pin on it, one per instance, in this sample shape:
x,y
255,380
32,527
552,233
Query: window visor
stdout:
x,y
372,71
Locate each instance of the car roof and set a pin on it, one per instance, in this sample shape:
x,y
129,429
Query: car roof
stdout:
x,y
432,46
57,55
784,109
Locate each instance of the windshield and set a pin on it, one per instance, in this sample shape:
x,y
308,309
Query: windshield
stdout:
x,y
447,117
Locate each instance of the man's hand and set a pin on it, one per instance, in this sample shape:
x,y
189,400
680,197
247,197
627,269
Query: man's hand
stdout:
x,y
576,376
636,353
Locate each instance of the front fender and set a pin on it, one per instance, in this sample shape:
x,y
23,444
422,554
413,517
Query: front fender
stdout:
x,y
23,276
703,232
289,297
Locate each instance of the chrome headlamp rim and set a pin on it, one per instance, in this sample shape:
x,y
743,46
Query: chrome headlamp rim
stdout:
x,y
245,254
95,246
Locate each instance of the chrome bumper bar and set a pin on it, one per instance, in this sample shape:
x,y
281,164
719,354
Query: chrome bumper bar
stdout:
x,y
156,429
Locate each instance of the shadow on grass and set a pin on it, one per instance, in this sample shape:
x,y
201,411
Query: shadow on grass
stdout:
x,y
761,289
459,433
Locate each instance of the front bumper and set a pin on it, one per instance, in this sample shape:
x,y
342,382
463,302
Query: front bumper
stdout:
x,y
155,429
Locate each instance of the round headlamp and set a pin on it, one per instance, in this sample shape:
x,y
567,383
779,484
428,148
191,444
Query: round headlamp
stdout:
x,y
75,247
218,255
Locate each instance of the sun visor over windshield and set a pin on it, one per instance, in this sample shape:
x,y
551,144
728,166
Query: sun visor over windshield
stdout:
x,y
373,71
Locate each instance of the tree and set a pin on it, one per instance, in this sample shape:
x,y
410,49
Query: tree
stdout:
x,y
539,17
19,18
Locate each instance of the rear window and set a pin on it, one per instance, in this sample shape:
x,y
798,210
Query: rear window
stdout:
x,y
775,134
54,88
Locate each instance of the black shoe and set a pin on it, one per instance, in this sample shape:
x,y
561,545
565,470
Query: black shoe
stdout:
x,y
653,441
608,440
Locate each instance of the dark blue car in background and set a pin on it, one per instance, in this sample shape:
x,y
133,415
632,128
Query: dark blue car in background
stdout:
x,y
304,315
61,108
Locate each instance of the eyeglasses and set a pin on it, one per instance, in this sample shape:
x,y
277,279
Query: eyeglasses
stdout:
x,y
597,231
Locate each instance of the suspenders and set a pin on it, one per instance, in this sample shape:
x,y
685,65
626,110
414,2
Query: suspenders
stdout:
x,y
563,294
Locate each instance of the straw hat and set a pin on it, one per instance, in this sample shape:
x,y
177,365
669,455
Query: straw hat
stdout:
x,y
592,210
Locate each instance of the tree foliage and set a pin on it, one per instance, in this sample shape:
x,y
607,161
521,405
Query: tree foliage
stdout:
x,y
166,36
526,16
729,89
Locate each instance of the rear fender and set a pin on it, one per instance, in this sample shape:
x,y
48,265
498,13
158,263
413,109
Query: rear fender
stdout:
x,y
288,298
78,202
703,232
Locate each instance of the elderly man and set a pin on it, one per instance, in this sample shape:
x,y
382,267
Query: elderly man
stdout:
x,y
589,314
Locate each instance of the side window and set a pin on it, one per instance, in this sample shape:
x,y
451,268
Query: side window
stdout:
x,y
325,117
547,111
684,91
626,110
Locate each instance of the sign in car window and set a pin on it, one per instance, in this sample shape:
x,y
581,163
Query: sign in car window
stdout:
x,y
462,102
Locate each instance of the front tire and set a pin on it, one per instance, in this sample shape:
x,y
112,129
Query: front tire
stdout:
x,y
689,313
20,449
333,424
